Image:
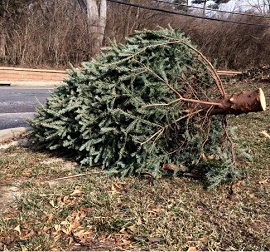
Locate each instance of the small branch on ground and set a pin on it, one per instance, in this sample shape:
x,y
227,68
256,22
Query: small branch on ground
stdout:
x,y
264,133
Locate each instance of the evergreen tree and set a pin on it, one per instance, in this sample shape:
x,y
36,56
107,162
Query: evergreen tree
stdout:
x,y
213,6
140,107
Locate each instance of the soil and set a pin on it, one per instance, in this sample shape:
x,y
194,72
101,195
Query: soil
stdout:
x,y
8,193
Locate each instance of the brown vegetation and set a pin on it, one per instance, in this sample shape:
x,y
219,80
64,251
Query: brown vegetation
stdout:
x,y
56,34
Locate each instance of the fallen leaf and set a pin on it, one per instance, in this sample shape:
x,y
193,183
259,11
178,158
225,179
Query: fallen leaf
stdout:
x,y
70,240
26,172
65,222
52,248
50,217
156,211
118,188
263,182
139,221
27,236
18,229
56,237
192,249
203,239
8,239
67,230
57,227
51,202
230,249
125,242
252,195
82,235
76,192
65,199
59,201
46,229
123,231
132,228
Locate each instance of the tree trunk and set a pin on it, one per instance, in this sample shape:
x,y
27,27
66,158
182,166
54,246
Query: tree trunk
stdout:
x,y
3,41
96,14
204,7
240,103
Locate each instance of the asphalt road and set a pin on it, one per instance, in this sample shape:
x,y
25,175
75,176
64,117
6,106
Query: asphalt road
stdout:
x,y
17,104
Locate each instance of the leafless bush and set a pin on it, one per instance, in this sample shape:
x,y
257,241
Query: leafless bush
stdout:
x,y
231,45
57,33
132,18
49,35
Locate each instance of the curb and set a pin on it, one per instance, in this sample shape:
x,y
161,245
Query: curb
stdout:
x,y
33,77
12,133
47,84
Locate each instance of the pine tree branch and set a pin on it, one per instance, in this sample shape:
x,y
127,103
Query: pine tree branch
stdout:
x,y
132,56
186,100
159,132
211,69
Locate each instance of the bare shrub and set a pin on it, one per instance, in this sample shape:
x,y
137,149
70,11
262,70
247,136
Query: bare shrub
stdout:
x,y
54,33
132,18
50,35
231,45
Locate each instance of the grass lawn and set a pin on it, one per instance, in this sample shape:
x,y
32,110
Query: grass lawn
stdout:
x,y
48,203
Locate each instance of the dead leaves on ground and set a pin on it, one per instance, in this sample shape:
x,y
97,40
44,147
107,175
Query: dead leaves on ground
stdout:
x,y
72,230
118,188
49,224
200,245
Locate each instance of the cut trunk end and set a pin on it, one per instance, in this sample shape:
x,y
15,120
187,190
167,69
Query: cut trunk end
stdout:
x,y
240,103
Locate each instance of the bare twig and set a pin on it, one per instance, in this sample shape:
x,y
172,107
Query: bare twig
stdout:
x,y
210,68
158,133
225,124
186,100
162,104
185,116
203,102
70,177
265,134
208,129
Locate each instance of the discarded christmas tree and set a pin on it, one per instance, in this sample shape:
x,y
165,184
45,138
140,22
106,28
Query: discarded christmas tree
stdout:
x,y
148,105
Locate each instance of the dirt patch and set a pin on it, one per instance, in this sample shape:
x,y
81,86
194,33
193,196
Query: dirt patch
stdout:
x,y
23,142
7,195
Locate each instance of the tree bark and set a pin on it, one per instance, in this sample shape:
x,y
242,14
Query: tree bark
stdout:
x,y
236,104
204,7
96,14
3,40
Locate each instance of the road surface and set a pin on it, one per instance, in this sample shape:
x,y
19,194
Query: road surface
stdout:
x,y
17,104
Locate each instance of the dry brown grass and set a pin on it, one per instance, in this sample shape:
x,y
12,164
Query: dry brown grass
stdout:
x,y
55,35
